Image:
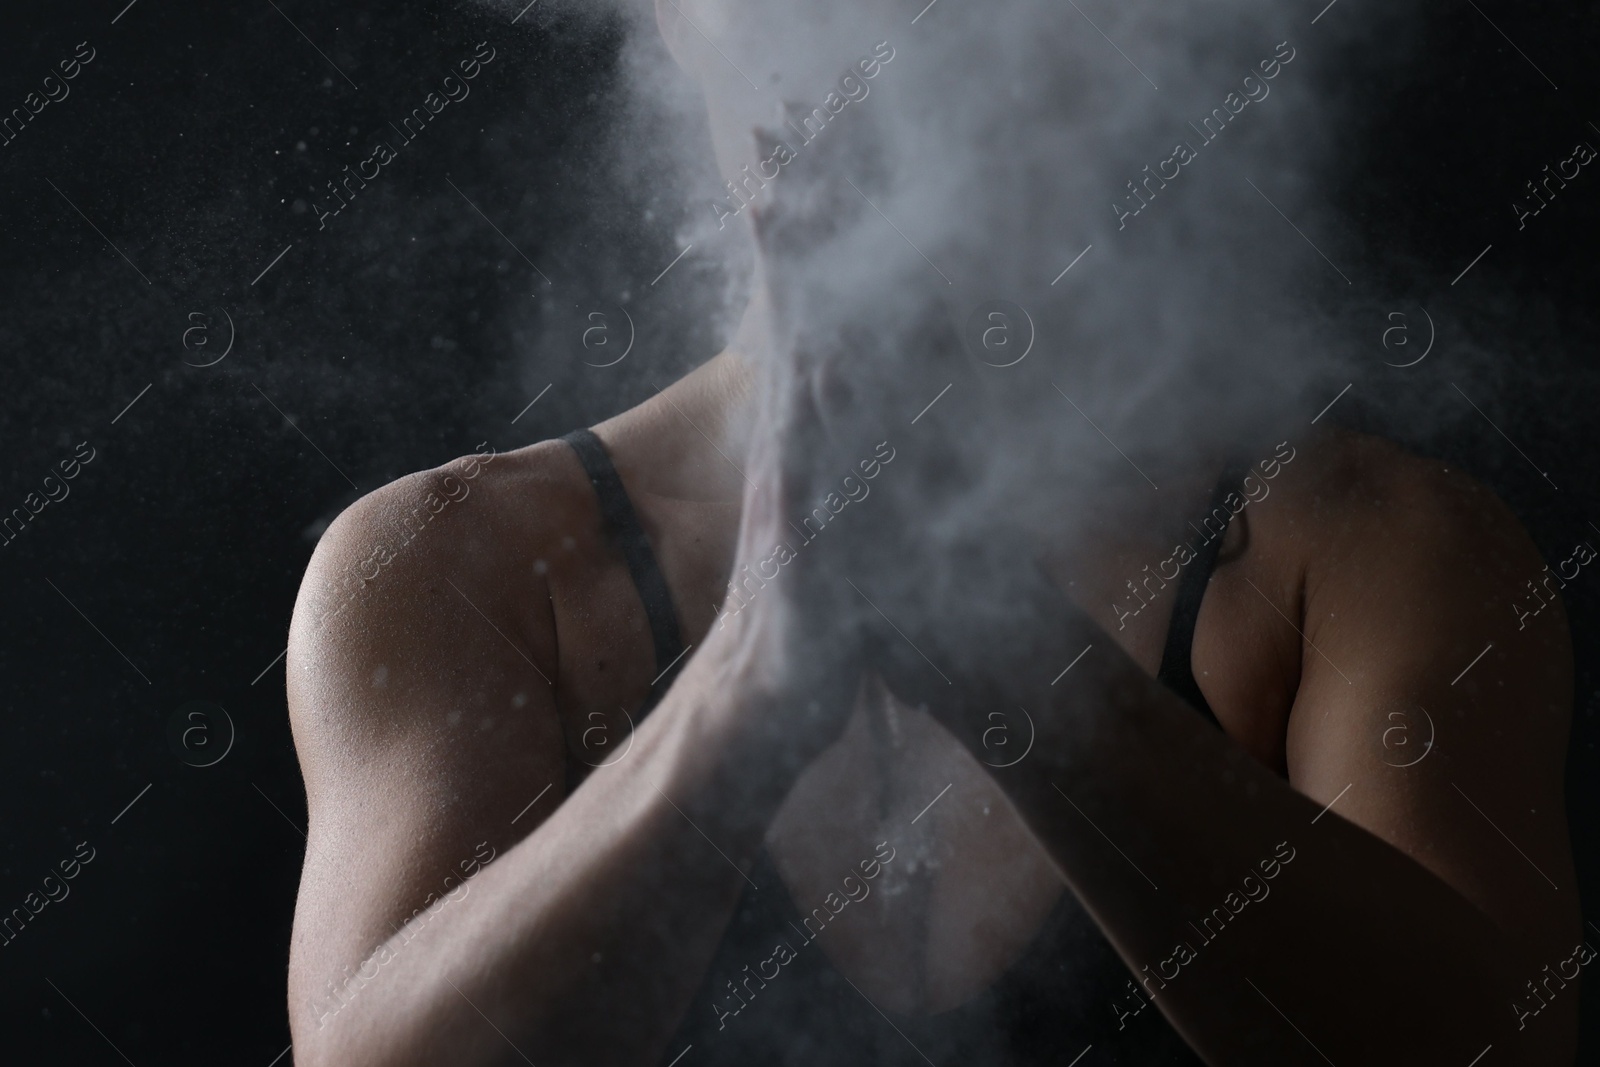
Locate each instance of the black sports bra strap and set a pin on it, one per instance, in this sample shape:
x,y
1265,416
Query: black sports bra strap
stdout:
x,y
622,525
1177,667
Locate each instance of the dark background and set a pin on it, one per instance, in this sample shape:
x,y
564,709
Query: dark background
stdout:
x,y
398,338
411,330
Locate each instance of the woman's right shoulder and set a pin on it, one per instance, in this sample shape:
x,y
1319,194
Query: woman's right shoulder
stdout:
x,y
423,661
481,512
407,571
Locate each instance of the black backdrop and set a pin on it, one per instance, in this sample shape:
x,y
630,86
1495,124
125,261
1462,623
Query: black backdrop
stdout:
x,y
143,218
139,211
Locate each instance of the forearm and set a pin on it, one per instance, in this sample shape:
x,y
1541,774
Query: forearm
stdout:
x,y
1156,819
583,943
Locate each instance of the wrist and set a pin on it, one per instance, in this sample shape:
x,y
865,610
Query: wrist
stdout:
x,y
1045,679
728,741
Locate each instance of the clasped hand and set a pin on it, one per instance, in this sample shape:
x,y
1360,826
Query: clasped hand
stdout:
x,y
860,550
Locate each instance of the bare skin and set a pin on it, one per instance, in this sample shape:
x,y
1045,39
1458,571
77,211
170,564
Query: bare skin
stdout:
x,y
1396,569
435,695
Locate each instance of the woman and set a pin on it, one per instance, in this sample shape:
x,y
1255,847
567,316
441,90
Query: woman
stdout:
x,y
572,800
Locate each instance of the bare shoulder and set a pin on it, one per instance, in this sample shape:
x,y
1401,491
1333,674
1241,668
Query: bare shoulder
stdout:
x,y
424,619
1370,572
1433,702
478,512
421,659
1414,566
1354,486
1382,538
1418,566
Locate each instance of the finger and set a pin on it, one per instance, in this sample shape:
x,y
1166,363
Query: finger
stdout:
x,y
804,444
806,197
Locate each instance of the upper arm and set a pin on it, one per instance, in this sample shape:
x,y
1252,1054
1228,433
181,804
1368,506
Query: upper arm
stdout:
x,y
420,715
1461,769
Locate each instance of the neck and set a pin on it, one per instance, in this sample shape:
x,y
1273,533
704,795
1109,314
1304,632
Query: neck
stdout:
x,y
691,439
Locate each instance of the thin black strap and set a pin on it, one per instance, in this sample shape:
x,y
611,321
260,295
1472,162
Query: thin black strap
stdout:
x,y
1177,668
622,526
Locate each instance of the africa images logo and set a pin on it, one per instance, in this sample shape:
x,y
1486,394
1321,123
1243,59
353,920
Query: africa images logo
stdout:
x,y
1256,90
455,89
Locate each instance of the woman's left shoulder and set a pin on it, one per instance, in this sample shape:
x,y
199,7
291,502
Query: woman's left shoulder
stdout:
x,y
1401,560
1364,493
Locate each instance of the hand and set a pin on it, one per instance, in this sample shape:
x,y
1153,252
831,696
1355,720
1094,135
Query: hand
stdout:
x,y
788,641
838,374
814,203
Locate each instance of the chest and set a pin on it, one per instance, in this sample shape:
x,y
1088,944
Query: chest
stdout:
x,y
960,885
969,887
